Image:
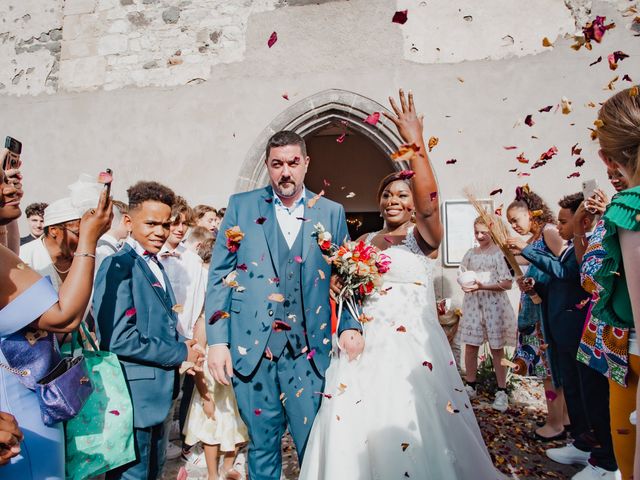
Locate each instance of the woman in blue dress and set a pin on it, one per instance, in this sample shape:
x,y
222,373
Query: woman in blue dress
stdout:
x,y
28,300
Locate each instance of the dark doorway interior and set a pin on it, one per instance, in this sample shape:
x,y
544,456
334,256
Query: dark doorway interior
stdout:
x,y
348,168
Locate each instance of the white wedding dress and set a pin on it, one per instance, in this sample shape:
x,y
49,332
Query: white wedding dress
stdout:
x,y
399,410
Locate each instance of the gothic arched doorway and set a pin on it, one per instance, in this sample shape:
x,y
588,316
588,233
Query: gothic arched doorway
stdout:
x,y
348,155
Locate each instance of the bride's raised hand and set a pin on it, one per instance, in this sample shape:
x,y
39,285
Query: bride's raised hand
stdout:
x,y
410,125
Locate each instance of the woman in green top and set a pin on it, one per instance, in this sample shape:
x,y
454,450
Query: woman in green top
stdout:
x,y
619,304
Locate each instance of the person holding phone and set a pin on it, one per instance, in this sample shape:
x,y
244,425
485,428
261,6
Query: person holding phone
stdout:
x,y
28,302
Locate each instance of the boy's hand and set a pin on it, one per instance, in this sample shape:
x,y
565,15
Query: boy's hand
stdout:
x,y
353,343
219,363
525,284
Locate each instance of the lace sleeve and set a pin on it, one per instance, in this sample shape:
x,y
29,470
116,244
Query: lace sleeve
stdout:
x,y
411,243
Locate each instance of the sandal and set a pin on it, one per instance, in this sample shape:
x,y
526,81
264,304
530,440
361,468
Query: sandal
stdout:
x,y
561,436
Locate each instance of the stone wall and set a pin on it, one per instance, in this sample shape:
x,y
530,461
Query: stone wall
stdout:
x,y
75,90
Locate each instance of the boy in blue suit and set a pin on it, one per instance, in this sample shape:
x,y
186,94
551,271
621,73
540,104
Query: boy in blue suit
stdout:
x,y
271,332
586,391
135,309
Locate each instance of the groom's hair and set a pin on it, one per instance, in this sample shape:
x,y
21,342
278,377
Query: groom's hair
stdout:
x,y
284,138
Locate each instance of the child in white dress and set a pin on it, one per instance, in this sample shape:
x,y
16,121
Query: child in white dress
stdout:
x,y
213,419
487,314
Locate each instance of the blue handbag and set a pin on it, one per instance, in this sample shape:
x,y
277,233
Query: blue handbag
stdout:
x,y
62,385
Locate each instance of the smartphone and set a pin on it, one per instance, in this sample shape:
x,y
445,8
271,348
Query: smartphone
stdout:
x,y
589,188
12,160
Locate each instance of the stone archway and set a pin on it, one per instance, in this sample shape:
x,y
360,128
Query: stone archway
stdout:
x,y
312,114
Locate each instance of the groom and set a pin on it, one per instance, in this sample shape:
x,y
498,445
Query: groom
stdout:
x,y
270,330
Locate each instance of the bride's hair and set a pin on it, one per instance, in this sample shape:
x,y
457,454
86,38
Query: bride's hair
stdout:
x,y
392,177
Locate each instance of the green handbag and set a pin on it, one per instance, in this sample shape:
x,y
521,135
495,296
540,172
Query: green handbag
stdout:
x,y
101,437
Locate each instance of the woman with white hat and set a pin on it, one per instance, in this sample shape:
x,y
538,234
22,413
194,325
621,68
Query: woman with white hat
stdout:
x,y
52,254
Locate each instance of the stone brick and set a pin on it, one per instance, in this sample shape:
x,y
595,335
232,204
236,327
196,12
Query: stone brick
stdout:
x,y
138,19
79,49
74,7
171,15
111,44
82,73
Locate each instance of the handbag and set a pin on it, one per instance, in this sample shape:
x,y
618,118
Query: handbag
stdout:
x,y
101,437
62,389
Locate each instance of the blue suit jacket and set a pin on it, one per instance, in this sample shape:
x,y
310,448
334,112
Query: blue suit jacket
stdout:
x,y
562,295
251,312
136,321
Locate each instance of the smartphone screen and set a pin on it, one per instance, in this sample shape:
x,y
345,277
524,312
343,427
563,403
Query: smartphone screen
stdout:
x,y
12,160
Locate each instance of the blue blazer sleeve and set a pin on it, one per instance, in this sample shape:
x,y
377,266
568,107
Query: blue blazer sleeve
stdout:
x,y
347,322
114,306
551,265
218,298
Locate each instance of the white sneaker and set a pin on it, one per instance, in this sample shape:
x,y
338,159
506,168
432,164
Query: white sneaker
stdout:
x,y
590,472
173,451
569,455
195,456
501,401
470,391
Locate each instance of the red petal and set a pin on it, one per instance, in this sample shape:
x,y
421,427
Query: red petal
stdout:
x,y
574,175
261,220
529,121
400,17
257,411
114,412
429,365
513,147
451,162
272,39
546,109
495,192
341,138
131,312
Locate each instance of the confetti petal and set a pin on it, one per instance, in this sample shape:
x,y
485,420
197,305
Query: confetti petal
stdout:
x,y
433,141
257,412
311,203
598,60
276,297
401,329
405,152
297,259
242,350
573,175
522,159
261,220
529,120
114,412
341,138
400,17
404,446
272,39
580,161
451,161
513,147
495,192
130,312
450,408
546,109
218,315
373,119
427,364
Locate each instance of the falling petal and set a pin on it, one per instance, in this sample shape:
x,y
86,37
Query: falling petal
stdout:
x,y
513,147
579,162
178,308
242,350
21,266
272,39
451,161
450,408
546,42
257,411
433,141
130,312
546,109
114,412
573,175
341,138
627,78
242,267
351,194
495,192
218,315
522,159
404,446
433,196
297,259
427,364
276,297
599,59
400,17
401,329
311,354
566,105
405,152
373,119
285,95
583,303
261,220
529,120
406,174
315,199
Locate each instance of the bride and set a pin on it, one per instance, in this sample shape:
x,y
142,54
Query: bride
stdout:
x,y
399,409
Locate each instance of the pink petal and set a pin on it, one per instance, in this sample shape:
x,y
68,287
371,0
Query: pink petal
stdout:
x,y
298,258
114,412
373,119
341,138
257,411
311,354
131,312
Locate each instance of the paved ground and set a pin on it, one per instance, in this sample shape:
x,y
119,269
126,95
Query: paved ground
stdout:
x,y
506,435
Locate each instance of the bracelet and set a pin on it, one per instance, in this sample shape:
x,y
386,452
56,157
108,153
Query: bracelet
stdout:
x,y
90,255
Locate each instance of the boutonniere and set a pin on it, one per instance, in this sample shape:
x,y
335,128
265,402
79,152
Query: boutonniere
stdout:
x,y
234,237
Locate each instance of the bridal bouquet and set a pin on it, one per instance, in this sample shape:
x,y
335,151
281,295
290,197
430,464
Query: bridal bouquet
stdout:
x,y
360,267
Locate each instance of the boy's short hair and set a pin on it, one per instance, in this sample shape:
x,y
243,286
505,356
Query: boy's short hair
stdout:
x,y
572,202
119,209
200,211
149,192
199,235
180,206
36,209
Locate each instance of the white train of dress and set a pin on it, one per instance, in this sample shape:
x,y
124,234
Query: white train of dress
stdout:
x,y
399,410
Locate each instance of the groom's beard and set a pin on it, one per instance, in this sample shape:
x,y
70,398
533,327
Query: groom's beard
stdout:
x,y
287,189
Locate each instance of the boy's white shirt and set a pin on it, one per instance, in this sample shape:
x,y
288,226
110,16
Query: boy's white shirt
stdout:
x,y
188,278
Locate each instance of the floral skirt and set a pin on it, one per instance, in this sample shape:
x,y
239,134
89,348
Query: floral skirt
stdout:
x,y
530,353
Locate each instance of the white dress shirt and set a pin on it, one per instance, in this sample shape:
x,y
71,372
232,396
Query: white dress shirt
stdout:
x,y
188,279
289,218
151,262
36,255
